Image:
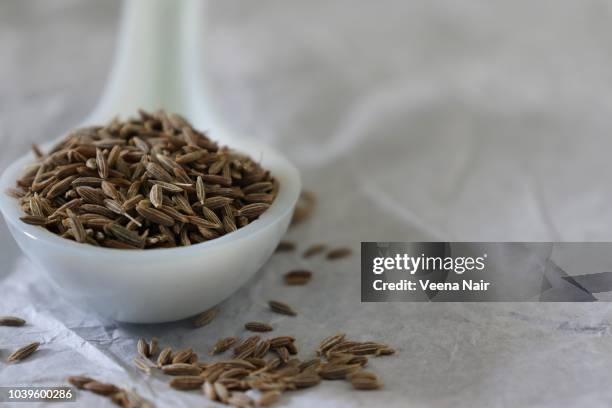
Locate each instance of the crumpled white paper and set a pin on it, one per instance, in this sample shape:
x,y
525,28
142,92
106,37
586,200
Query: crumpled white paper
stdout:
x,y
412,120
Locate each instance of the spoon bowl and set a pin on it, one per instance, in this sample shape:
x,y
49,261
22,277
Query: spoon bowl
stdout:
x,y
156,285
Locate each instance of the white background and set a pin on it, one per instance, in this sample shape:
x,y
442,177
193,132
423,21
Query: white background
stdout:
x,y
411,120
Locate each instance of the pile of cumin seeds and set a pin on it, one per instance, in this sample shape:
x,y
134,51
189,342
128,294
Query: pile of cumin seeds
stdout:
x,y
269,366
147,182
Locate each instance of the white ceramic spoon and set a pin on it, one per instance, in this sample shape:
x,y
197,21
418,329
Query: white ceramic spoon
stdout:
x,y
156,66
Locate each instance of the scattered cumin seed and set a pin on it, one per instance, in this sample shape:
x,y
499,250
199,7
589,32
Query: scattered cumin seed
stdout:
x,y
223,345
249,342
101,388
185,383
142,365
304,207
258,327
79,381
363,380
165,357
298,277
385,351
281,308
331,371
338,253
222,392
329,342
153,346
182,356
240,400
23,352
205,317
37,152
143,348
11,321
286,246
313,250
305,380
209,391
181,369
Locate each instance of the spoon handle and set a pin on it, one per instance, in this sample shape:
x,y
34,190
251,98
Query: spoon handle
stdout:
x,y
149,65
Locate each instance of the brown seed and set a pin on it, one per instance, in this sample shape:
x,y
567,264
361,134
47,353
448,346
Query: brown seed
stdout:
x,y
101,388
229,225
125,235
261,349
223,345
23,352
314,250
155,216
236,372
205,318
91,195
213,372
78,231
268,398
37,152
304,207
181,369
209,391
157,172
254,210
258,327
60,187
309,364
298,277
362,380
11,321
304,380
237,363
285,246
156,196
165,357
34,220
200,190
101,163
222,392
188,382
249,342
110,190
338,253
283,353
182,356
338,371
79,381
217,202
173,188
385,351
240,400
364,349
142,364
190,157
281,308
143,348
292,348
330,342
153,346
281,341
